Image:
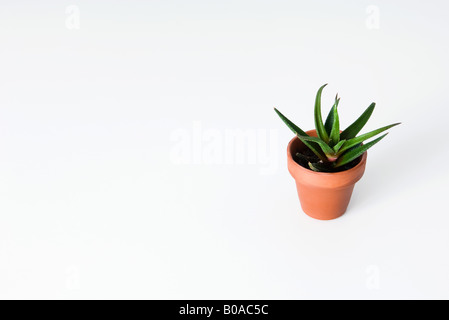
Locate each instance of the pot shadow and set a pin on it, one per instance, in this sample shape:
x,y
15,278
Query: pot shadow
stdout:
x,y
387,177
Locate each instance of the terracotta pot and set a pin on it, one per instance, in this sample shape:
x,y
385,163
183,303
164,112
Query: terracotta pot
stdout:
x,y
323,196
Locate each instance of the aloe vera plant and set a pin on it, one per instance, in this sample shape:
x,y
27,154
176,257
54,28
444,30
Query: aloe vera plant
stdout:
x,y
333,149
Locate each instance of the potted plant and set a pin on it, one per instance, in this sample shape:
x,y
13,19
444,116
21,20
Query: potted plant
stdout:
x,y
327,162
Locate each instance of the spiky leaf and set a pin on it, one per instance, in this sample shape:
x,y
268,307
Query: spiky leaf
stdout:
x,y
339,145
330,118
352,142
356,152
320,129
299,132
328,151
334,137
351,131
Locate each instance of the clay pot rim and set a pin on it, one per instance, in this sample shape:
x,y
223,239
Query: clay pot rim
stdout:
x,y
324,174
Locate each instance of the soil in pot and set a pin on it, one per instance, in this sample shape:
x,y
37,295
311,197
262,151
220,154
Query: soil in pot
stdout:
x,y
310,156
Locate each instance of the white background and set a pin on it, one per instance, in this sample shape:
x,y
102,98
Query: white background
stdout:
x,y
94,96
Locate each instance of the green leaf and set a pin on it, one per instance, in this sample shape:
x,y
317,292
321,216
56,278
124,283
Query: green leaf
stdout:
x,y
356,152
355,128
323,145
330,118
320,129
299,132
335,132
352,142
293,127
339,145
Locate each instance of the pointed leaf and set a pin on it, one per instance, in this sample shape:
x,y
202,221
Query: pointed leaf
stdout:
x,y
320,129
326,149
299,132
329,121
335,132
296,130
355,128
339,145
352,142
356,152
330,118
